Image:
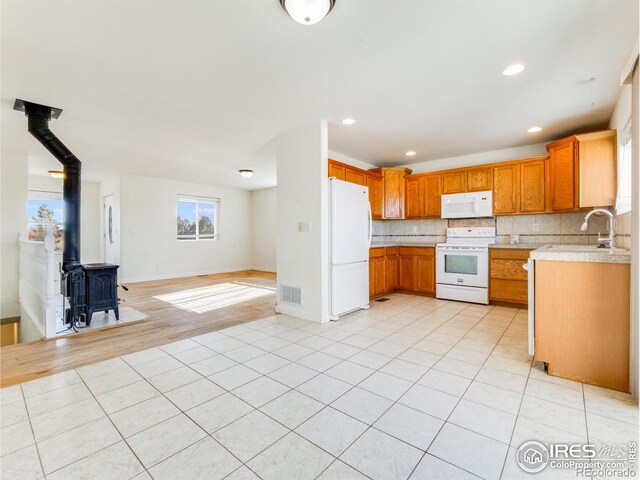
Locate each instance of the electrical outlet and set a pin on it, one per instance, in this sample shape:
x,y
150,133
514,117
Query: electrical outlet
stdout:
x,y
414,230
536,227
304,227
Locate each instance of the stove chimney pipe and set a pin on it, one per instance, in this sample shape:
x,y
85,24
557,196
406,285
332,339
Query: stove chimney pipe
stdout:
x,y
38,121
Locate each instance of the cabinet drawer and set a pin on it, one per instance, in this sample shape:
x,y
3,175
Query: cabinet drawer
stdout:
x,y
377,252
510,253
514,291
507,269
417,251
392,251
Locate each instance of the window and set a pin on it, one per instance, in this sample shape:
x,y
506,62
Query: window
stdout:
x,y
197,218
45,209
623,202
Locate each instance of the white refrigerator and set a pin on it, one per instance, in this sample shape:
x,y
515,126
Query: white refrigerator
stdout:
x,y
350,229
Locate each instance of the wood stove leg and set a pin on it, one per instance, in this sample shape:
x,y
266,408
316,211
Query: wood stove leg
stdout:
x,y
116,310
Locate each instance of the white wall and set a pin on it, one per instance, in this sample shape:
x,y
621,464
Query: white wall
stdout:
x,y
525,151
149,247
264,233
13,217
302,258
350,160
91,230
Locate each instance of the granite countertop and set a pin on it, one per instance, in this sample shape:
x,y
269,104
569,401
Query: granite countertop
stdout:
x,y
581,253
523,246
402,244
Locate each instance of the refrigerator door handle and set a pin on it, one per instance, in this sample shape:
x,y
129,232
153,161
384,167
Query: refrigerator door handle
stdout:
x,y
370,223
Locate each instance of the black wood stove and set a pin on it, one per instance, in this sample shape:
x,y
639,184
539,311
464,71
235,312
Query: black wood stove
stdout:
x,y
88,288
101,286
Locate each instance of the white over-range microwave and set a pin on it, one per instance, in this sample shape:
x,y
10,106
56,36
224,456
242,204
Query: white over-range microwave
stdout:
x,y
467,205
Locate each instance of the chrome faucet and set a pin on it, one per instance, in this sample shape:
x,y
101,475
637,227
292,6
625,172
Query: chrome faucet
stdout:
x,y
585,225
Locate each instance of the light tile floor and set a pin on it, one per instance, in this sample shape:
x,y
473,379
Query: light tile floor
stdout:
x,y
413,388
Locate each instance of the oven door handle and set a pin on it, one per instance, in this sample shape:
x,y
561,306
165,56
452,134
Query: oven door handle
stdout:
x,y
461,250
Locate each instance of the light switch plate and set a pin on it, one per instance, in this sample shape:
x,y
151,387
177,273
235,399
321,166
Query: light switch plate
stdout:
x,y
536,227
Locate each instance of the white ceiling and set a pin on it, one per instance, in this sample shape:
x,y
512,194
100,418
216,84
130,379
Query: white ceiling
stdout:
x,y
195,90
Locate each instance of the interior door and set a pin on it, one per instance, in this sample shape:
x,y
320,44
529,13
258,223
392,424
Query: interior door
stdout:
x,y
111,232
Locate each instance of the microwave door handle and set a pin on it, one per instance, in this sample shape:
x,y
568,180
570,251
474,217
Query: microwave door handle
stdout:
x,y
475,205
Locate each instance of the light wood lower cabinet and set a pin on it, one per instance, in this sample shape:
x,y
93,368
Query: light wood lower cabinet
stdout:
x,y
411,269
391,280
417,266
508,281
377,272
582,321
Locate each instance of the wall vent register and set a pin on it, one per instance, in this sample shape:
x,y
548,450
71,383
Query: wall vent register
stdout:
x,y
292,295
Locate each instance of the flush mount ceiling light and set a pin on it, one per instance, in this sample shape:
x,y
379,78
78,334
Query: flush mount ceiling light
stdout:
x,y
246,173
56,173
348,121
514,69
534,129
410,153
307,12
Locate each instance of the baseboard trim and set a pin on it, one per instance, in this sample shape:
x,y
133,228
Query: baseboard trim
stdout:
x,y
298,313
151,278
265,269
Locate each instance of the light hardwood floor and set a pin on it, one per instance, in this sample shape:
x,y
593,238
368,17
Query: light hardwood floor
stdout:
x,y
188,307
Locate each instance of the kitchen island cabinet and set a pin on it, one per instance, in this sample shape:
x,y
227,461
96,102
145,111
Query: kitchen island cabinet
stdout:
x,y
582,321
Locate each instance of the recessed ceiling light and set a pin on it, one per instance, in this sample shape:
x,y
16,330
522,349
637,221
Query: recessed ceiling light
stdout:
x,y
410,153
56,173
348,121
246,173
514,69
534,129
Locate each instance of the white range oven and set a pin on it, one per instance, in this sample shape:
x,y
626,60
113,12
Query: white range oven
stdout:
x,y
462,264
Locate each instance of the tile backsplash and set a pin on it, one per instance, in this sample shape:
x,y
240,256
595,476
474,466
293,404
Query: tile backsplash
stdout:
x,y
623,230
544,229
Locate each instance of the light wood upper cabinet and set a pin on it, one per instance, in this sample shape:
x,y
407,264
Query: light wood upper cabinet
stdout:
x,y
394,191
415,202
562,176
376,194
479,179
356,176
337,170
432,194
454,182
506,183
582,171
533,186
